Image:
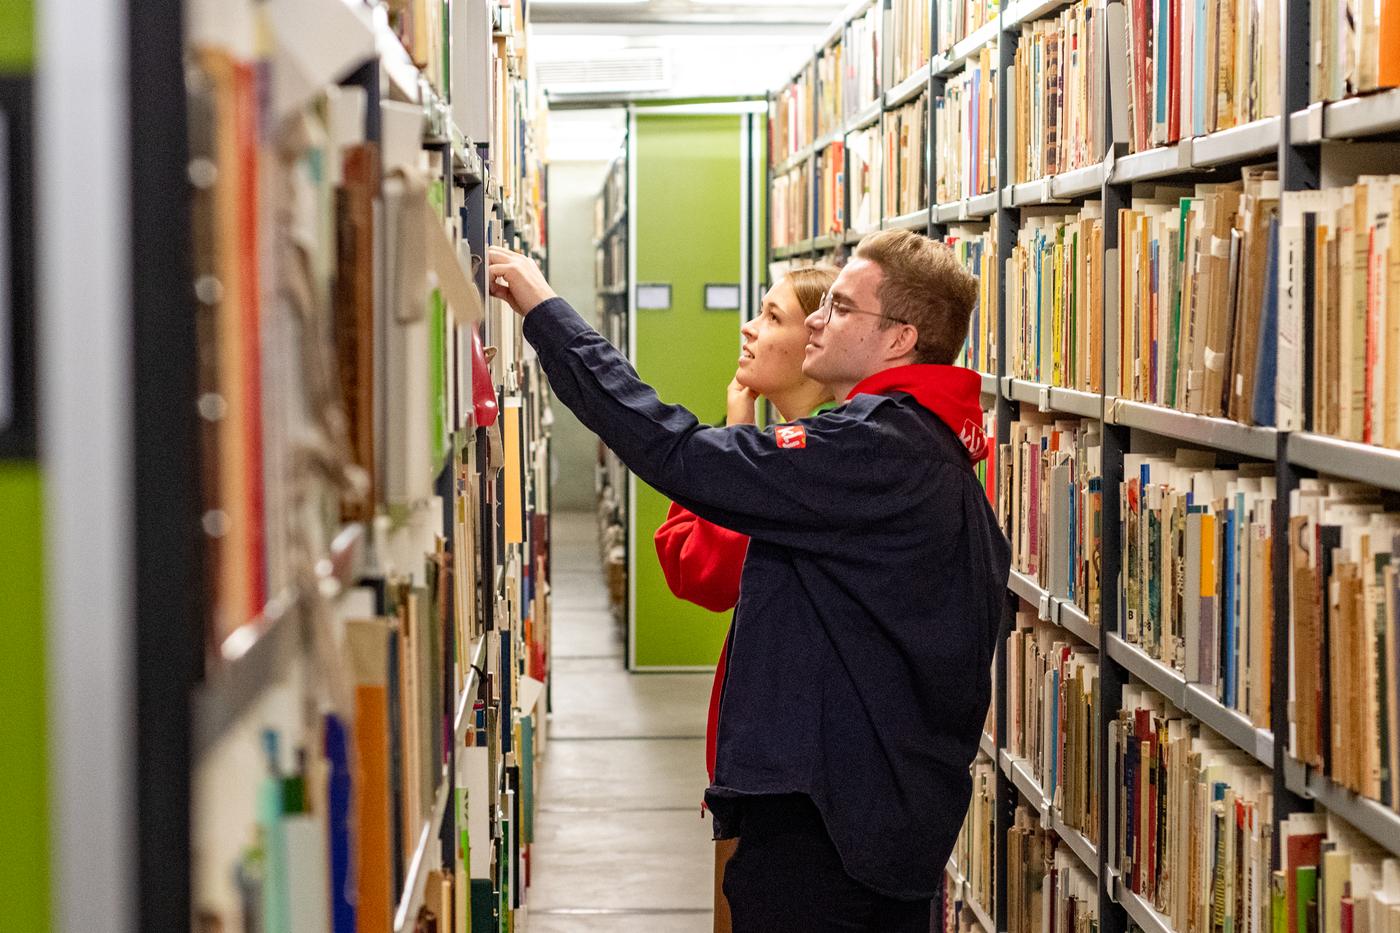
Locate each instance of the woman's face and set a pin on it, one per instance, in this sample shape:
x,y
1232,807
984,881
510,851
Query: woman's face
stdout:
x,y
775,343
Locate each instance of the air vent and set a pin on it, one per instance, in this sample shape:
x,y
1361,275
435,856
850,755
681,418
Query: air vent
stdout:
x,y
622,72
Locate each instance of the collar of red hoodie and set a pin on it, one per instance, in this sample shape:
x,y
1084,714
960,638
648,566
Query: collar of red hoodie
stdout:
x,y
953,393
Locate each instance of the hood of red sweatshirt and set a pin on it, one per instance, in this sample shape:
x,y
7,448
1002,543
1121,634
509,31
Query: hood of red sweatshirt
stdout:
x,y
953,393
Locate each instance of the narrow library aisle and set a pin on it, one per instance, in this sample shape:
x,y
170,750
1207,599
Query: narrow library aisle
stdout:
x,y
619,841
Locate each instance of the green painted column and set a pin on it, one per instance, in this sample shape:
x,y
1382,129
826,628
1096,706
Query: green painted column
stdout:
x,y
24,804
687,231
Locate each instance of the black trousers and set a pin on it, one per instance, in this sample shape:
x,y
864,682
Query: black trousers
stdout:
x,y
786,877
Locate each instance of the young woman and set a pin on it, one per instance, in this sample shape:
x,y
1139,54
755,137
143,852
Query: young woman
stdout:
x,y
703,562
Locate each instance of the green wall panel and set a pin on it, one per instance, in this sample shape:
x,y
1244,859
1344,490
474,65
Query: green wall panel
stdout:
x,y
16,35
24,856
687,233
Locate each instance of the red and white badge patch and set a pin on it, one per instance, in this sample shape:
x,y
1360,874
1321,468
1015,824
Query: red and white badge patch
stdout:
x,y
791,436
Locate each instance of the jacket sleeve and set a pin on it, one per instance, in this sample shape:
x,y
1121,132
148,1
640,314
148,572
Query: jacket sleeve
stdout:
x,y
738,477
703,562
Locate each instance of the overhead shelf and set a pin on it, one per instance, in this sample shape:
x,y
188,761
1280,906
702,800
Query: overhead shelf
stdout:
x,y
823,243
1019,773
1054,398
1154,163
867,116
1056,610
790,163
1079,183
987,746
1248,141
1194,429
1376,820
1354,118
908,89
979,911
1364,463
1078,843
918,220
1028,11
989,384
1139,911
416,879
973,44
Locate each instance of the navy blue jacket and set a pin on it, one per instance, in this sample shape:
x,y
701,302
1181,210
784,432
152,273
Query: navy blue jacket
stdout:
x,y
872,595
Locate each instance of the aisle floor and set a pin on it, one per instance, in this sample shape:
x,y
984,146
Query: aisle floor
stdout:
x,y
620,843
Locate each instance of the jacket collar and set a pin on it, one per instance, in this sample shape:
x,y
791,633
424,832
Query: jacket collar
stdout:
x,y
952,393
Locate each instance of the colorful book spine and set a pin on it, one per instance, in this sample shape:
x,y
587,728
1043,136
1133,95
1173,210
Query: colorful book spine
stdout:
x,y
976,249
965,129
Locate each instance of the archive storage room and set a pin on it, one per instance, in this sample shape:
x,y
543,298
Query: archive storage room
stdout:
x,y
672,466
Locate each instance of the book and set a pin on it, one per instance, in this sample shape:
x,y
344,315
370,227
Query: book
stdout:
x,y
1058,78
1054,298
791,204
905,157
976,249
1052,716
860,74
908,28
1191,266
790,118
1048,890
831,190
965,131
957,19
1193,832
863,150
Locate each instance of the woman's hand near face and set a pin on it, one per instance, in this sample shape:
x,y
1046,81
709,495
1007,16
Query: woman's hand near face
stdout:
x,y
740,403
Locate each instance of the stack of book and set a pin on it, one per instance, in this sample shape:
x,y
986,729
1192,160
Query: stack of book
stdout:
x,y
863,178
957,19
965,130
906,181
1345,589
861,71
1343,237
1332,879
831,83
1196,67
975,851
909,37
1190,830
1047,889
1051,502
831,190
1197,572
790,202
1055,109
976,249
1358,48
1054,298
791,125
1198,298
1052,716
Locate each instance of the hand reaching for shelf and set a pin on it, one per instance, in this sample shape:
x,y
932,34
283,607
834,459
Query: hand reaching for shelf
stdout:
x,y
517,279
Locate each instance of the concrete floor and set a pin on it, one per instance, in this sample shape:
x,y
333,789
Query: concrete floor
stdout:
x,y
620,842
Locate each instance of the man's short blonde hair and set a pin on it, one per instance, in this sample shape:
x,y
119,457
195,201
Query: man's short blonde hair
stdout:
x,y
923,285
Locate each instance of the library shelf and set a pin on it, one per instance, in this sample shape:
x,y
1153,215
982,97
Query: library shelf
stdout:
x,y
853,237
1149,670
1056,610
838,26
1078,183
253,655
1153,163
1231,724
1365,463
1030,193
1028,11
1355,117
461,720
398,65
1031,592
916,220
1078,843
1074,620
1221,433
1370,817
987,746
949,211
956,874
866,116
416,878
835,136
823,243
1018,770
978,910
967,47
1139,911
909,88
800,248
981,206
1248,141
989,384
794,160
1053,398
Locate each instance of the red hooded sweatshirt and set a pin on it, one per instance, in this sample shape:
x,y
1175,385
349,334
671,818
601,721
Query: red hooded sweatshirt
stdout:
x,y
703,562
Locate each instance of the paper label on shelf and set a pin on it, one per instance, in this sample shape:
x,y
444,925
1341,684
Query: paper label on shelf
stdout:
x,y
1045,604
1044,399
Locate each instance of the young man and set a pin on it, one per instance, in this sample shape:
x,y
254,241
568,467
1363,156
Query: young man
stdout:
x,y
859,666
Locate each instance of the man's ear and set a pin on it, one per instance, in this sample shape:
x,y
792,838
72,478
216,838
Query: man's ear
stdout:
x,y
906,341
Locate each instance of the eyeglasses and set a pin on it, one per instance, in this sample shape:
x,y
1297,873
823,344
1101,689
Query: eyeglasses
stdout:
x,y
831,306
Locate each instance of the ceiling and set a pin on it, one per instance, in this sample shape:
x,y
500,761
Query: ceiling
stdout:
x,y
590,52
